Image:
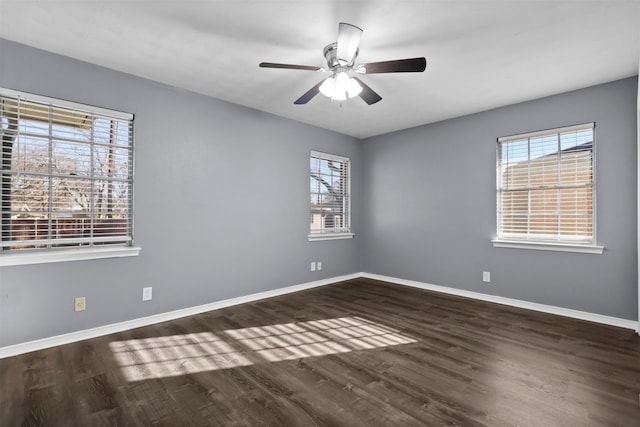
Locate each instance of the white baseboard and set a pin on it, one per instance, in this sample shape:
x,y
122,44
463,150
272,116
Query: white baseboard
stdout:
x,y
14,350
576,314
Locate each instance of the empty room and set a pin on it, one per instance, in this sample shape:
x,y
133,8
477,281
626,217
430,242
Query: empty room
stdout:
x,y
319,213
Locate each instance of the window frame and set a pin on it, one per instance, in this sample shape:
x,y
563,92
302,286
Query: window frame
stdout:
x,y
345,232
10,257
537,241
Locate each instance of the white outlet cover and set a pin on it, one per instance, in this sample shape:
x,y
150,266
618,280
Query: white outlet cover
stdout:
x,y
313,266
319,265
486,276
147,293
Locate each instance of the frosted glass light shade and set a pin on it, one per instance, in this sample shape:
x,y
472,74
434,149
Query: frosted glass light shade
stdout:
x,y
328,87
340,86
354,88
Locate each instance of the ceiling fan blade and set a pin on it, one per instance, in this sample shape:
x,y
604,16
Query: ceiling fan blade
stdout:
x,y
348,40
289,66
368,95
412,65
308,95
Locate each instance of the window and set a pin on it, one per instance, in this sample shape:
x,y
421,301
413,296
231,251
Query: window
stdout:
x,y
67,175
330,208
545,187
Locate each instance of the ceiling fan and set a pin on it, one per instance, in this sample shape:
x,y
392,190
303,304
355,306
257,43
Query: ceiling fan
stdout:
x,y
341,57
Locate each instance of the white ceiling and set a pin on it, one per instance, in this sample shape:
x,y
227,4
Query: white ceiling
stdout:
x,y
480,54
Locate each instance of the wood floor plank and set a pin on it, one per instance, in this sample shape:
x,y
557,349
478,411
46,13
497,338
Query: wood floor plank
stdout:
x,y
47,397
356,353
11,398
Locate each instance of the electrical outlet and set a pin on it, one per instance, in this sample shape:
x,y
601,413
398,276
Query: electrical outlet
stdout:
x,y
313,266
319,265
80,304
147,293
486,276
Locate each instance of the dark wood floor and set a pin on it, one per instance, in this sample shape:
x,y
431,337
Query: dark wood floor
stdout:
x,y
356,353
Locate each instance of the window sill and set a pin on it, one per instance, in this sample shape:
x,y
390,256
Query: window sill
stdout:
x,y
64,255
331,236
548,246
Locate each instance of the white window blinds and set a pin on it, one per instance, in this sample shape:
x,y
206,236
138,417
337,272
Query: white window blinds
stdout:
x,y
67,174
330,199
545,186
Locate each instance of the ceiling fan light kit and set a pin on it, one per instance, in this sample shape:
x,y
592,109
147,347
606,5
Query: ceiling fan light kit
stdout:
x,y
340,57
340,86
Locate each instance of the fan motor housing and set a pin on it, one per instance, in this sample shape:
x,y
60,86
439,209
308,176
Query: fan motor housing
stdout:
x,y
331,52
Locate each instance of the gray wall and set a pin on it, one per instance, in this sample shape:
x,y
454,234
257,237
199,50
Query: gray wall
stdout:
x,y
430,204
221,204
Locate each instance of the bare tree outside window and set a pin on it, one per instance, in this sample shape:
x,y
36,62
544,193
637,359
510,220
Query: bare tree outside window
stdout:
x,y
66,176
329,190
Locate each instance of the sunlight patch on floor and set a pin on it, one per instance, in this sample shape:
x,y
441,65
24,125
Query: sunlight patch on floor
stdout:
x,y
316,338
166,356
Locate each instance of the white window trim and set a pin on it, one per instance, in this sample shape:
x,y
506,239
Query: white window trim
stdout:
x,y
63,255
561,246
330,236
546,132
334,235
73,254
548,246
32,97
